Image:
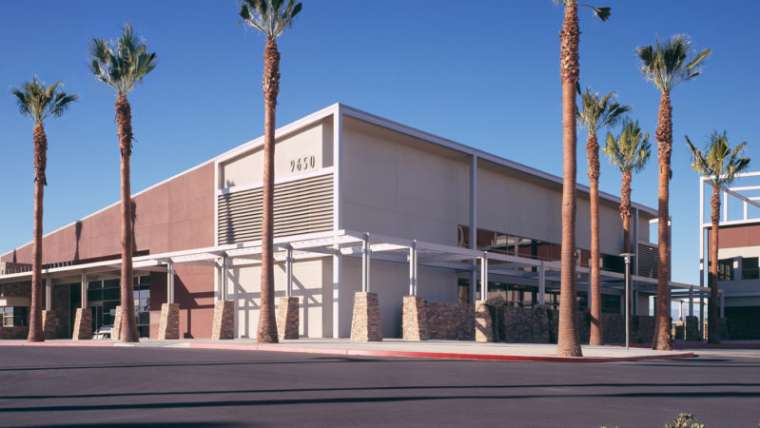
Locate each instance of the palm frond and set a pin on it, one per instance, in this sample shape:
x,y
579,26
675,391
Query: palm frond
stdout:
x,y
39,101
599,111
631,149
718,160
123,63
271,17
665,63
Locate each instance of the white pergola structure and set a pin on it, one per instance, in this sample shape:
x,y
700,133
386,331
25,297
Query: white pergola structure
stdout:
x,y
740,205
343,243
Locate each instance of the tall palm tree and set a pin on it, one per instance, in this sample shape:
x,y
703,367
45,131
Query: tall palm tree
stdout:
x,y
596,112
271,17
630,152
720,163
568,343
666,64
39,102
122,64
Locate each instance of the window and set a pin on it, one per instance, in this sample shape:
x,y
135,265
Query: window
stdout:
x,y
611,303
750,268
142,304
726,270
13,316
613,263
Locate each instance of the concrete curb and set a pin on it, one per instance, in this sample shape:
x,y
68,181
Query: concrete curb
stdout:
x,y
435,355
353,352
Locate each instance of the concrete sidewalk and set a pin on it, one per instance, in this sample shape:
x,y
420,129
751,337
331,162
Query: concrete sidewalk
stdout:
x,y
433,349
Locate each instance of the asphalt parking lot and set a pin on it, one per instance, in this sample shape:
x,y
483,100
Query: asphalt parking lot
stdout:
x,y
71,386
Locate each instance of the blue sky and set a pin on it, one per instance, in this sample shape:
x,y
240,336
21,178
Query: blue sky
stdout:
x,y
486,76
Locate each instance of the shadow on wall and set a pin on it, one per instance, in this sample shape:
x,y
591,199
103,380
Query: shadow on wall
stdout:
x,y
77,239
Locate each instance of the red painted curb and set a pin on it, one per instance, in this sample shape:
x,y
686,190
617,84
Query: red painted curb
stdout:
x,y
435,355
361,352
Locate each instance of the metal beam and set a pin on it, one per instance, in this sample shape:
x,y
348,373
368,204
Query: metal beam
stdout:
x,y
413,269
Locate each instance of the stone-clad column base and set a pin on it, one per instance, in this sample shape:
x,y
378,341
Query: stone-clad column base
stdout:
x,y
691,328
483,324
82,324
116,329
50,324
366,325
168,325
223,326
414,319
287,317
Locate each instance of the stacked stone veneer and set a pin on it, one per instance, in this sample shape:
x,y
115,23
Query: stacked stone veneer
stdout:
x,y
643,329
450,321
116,328
414,322
525,325
50,324
82,324
287,317
366,325
483,323
691,331
223,325
168,324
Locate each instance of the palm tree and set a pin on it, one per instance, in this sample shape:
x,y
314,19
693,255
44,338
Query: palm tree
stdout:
x,y
630,152
596,113
568,343
666,64
122,65
271,17
720,163
39,102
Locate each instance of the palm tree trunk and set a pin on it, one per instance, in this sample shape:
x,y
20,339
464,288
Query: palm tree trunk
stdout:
x,y
40,163
713,326
596,336
568,343
625,210
267,331
124,124
625,215
662,339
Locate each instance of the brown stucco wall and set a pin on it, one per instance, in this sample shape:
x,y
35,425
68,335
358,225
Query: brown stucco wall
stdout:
x,y
176,215
738,236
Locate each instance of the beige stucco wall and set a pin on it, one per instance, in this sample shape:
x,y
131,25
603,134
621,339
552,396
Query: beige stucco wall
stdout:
x,y
389,186
311,283
314,141
394,184
390,281
518,204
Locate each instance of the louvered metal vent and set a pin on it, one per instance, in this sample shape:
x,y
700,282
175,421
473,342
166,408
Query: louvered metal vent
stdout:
x,y
302,206
647,260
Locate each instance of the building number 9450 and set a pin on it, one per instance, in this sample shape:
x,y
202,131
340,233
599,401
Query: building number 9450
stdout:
x,y
304,163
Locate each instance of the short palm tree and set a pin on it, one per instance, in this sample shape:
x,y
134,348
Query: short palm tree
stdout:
x,y
666,64
629,151
568,341
122,65
720,163
271,17
596,112
39,102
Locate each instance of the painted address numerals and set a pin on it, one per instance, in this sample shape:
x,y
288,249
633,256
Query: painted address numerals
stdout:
x,y
303,163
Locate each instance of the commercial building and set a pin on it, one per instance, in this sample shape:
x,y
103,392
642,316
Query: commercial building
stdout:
x,y
738,253
361,203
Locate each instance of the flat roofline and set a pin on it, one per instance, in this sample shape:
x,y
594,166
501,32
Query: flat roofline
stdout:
x,y
328,111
